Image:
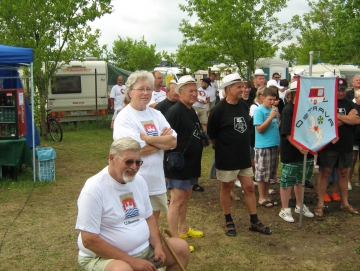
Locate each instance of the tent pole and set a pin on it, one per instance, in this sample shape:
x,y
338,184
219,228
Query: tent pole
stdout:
x,y
32,118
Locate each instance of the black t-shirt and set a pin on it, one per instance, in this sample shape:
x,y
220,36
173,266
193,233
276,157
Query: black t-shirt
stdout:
x,y
248,102
164,106
253,92
350,94
229,125
289,154
346,132
188,128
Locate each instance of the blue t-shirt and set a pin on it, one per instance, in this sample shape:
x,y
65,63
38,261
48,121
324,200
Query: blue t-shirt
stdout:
x,y
271,136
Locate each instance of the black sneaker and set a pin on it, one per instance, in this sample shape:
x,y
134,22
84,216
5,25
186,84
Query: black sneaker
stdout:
x,y
198,188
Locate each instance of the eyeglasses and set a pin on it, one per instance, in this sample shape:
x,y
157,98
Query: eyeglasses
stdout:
x,y
142,90
277,77
129,162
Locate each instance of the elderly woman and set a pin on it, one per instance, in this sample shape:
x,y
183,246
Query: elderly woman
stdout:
x,y
150,128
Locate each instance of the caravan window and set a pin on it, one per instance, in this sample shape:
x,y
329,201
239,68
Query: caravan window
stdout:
x,y
66,84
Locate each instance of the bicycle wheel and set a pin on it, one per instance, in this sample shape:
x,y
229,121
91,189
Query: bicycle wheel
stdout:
x,y
55,130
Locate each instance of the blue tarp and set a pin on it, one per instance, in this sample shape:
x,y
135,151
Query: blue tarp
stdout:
x,y
10,58
15,55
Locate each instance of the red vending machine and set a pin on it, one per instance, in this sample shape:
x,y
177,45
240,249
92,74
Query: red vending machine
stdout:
x,y
12,113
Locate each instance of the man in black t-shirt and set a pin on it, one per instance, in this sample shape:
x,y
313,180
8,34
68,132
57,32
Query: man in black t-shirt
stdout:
x,y
171,98
339,152
183,119
228,128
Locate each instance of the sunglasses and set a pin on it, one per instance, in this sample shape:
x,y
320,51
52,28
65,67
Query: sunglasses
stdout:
x,y
129,162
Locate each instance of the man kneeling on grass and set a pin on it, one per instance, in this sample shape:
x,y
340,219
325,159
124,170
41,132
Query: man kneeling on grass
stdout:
x,y
118,230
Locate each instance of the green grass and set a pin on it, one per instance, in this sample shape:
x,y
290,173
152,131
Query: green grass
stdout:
x,y
43,236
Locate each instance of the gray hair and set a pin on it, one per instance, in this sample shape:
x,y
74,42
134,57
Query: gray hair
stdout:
x,y
169,85
123,144
136,77
355,76
259,91
357,93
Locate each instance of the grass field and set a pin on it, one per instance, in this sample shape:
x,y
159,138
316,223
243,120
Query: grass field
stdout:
x,y
37,220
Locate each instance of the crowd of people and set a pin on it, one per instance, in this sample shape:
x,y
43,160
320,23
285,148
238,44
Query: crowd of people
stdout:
x,y
159,135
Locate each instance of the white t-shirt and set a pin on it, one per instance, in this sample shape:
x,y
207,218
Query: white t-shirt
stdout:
x,y
252,109
212,93
118,93
202,95
131,122
157,96
117,212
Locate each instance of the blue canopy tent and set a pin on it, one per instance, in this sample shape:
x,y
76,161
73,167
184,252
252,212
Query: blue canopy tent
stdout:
x,y
10,59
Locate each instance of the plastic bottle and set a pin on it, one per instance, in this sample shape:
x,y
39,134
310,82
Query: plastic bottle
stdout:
x,y
12,130
6,115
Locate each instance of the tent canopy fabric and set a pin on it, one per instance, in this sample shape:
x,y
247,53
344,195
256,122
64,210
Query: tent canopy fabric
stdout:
x,y
10,55
114,72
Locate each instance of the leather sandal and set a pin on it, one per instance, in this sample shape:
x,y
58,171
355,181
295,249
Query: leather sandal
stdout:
x,y
349,209
319,211
230,228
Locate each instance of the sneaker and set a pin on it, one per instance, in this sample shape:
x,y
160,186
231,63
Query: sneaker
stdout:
x,y
327,198
306,211
198,188
349,186
238,183
286,215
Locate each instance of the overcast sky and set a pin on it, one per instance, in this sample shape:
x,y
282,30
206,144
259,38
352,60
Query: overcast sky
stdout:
x,y
158,21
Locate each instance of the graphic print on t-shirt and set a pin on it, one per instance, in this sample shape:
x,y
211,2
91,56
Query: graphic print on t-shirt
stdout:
x,y
122,91
197,131
129,205
342,111
150,128
240,124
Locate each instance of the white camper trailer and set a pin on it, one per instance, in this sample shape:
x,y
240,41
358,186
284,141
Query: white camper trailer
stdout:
x,y
79,92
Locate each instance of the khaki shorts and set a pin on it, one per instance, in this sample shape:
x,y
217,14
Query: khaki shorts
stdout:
x,y
159,203
210,105
227,176
99,264
202,114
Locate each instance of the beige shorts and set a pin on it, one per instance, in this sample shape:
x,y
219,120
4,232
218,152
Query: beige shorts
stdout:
x,y
99,264
210,105
227,176
202,114
159,203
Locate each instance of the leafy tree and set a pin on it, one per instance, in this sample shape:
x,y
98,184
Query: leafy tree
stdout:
x,y
134,55
331,27
57,30
237,31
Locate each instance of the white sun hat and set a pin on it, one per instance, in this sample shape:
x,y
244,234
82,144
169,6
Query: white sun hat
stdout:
x,y
230,79
274,83
184,80
259,72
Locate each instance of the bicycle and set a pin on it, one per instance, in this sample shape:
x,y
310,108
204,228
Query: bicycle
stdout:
x,y
53,127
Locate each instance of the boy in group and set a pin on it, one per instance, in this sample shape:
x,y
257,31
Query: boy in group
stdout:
x,y
267,141
292,157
